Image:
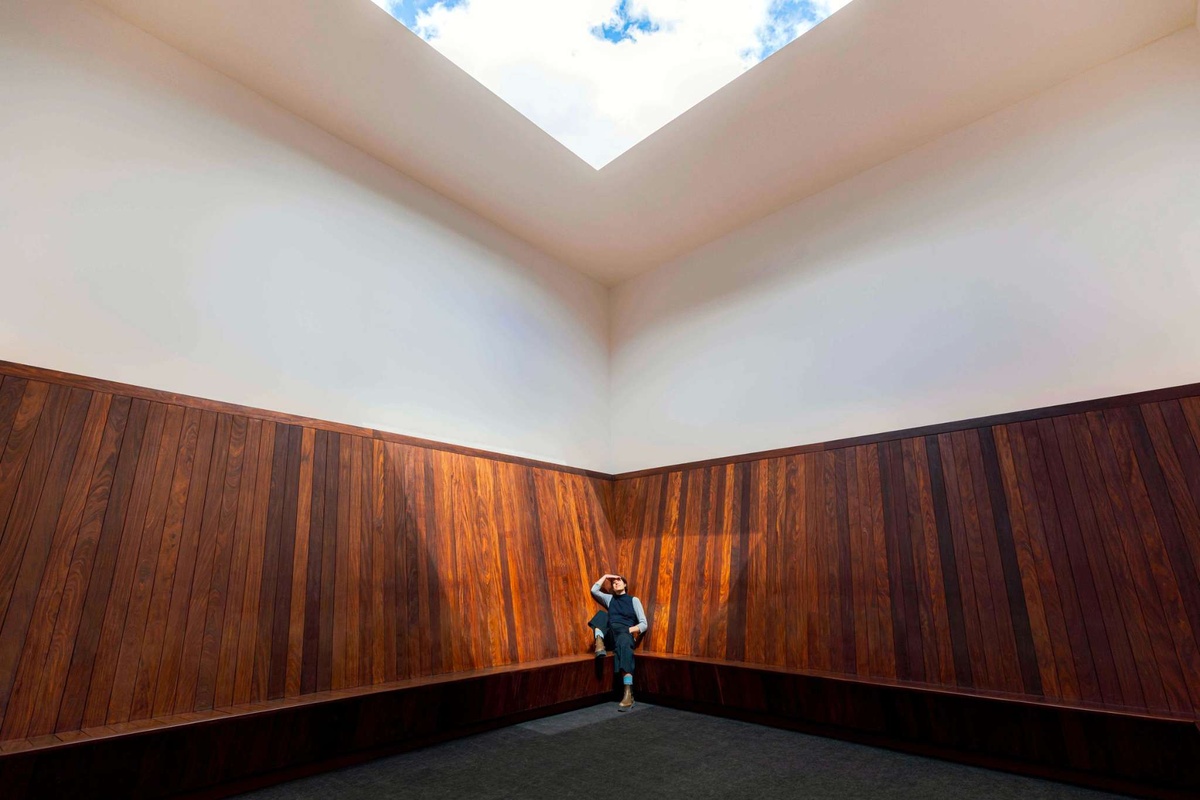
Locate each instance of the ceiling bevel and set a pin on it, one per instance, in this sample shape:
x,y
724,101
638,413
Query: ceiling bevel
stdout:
x,y
875,80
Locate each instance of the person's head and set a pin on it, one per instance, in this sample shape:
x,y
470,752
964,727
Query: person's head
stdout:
x,y
619,585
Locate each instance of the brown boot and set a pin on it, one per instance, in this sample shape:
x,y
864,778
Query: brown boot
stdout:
x,y
600,651
626,701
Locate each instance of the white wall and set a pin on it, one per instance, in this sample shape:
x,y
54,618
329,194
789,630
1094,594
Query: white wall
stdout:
x,y
1048,253
161,225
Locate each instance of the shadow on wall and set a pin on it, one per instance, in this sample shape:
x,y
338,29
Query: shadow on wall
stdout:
x,y
1053,558
504,554
166,559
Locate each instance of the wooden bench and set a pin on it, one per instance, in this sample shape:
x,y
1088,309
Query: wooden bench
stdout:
x,y
221,752
230,750
1136,753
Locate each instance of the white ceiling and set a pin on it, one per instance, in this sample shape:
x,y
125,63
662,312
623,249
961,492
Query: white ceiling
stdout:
x,y
873,81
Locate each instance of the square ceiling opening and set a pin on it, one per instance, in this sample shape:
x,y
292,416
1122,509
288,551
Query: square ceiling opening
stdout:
x,y
601,75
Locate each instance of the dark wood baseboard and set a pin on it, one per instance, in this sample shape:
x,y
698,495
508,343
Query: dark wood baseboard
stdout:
x,y
228,754
1136,754
317,767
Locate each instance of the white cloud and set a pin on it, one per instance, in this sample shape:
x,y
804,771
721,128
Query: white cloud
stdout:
x,y
599,97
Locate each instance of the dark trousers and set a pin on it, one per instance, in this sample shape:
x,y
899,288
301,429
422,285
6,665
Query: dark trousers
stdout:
x,y
619,640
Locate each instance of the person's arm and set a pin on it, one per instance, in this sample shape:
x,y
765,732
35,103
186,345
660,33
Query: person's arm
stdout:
x,y
603,598
641,615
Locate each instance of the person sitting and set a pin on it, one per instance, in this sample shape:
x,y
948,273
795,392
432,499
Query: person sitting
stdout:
x,y
617,627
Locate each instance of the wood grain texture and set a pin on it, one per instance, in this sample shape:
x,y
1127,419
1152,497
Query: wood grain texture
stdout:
x,y
1142,755
212,754
161,557
165,560
1052,559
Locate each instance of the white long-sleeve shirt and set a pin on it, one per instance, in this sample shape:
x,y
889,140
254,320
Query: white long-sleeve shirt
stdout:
x,y
604,598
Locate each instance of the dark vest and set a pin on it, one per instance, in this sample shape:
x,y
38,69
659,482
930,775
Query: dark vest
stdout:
x,y
620,612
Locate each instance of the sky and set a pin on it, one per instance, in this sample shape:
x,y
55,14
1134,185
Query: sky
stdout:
x,y
601,75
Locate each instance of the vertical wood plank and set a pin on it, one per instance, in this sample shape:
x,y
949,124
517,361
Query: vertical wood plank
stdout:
x,y
965,562
671,489
79,676
311,636
1121,496
1181,464
108,648
1061,643
1092,553
157,613
1123,591
299,566
219,589
202,573
1079,632
910,664
1027,566
791,559
756,628
248,682
1160,530
1018,612
12,390
36,652
883,591
169,663
285,539
776,647
125,675
238,568
507,578
385,561
812,572
325,638
354,561
20,440
470,634
28,490
935,633
436,543
998,587
276,490
54,675
845,595
26,579
959,655
423,606
511,540
368,609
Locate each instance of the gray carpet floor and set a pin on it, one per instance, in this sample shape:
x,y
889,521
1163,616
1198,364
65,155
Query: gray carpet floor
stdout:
x,y
659,753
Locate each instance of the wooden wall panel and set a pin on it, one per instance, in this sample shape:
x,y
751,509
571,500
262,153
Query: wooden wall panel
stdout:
x,y
162,555
1051,557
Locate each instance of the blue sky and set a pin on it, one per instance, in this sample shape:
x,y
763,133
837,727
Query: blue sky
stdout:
x,y
407,10
601,75
626,24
